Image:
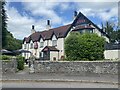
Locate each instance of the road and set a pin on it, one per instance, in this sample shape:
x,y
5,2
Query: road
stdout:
x,y
56,85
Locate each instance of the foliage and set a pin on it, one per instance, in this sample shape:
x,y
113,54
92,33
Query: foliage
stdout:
x,y
8,41
112,31
5,57
84,47
20,62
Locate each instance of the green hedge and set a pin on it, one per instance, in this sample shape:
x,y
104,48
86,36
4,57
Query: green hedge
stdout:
x,y
20,62
5,57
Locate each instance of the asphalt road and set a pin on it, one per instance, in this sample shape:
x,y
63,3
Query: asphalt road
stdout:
x,y
56,85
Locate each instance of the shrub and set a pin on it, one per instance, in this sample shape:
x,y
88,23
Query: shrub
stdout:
x,y
5,57
20,62
84,47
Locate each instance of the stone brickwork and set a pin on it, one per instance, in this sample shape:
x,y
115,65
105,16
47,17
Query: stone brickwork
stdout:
x,y
77,67
9,66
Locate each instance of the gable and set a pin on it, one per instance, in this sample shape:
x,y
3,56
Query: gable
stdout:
x,y
83,20
54,37
80,20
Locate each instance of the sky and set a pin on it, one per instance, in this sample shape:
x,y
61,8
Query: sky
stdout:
x,y
23,14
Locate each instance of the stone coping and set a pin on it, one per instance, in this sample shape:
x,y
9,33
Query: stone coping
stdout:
x,y
81,61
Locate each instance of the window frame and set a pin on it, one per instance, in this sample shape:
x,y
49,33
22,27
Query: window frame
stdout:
x,y
41,44
54,42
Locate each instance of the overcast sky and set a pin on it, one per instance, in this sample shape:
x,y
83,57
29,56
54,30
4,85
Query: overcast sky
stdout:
x,y
23,14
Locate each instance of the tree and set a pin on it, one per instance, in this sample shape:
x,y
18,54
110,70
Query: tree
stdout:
x,y
84,47
71,46
110,30
4,24
8,41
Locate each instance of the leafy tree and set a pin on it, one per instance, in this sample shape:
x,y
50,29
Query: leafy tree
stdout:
x,y
84,47
8,41
71,46
118,34
109,29
3,22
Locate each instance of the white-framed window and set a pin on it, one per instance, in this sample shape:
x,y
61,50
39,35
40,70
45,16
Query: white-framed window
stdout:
x,y
41,44
25,46
54,42
31,46
41,54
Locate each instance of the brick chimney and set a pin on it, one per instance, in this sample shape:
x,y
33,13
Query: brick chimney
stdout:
x,y
33,29
75,15
48,26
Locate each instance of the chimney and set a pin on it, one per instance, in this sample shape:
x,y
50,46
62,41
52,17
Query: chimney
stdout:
x,y
75,14
48,26
33,29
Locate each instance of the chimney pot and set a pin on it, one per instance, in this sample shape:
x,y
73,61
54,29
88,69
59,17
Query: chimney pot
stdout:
x,y
75,13
48,26
48,22
33,27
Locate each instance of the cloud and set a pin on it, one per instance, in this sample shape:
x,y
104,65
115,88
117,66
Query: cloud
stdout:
x,y
20,26
43,9
103,10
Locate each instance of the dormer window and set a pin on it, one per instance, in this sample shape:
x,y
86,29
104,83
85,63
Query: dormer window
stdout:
x,y
41,44
31,46
25,46
54,43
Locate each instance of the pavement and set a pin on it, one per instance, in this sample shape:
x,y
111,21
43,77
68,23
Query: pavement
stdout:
x,y
25,76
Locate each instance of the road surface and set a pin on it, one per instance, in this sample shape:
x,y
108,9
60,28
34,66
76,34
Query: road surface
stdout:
x,y
56,85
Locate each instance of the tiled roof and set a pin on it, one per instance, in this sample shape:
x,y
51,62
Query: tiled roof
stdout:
x,y
62,31
59,32
50,48
83,27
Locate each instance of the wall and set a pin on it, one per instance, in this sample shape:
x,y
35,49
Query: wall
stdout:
x,y
60,47
112,54
54,54
77,67
9,66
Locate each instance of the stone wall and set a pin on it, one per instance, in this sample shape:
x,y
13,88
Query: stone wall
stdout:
x,y
77,67
9,66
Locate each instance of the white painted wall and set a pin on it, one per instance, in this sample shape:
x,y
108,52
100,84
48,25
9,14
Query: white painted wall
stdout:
x,y
112,54
54,54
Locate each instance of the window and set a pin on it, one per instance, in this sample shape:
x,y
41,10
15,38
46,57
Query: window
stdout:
x,y
25,46
41,44
41,54
89,31
54,43
31,46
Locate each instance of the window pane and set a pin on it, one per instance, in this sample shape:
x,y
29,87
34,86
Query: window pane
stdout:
x,y
25,46
31,46
54,43
41,44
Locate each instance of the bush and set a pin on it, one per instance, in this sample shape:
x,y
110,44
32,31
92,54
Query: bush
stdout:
x,y
84,47
5,57
20,62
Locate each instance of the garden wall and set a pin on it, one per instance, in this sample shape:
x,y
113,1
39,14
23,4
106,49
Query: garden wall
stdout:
x,y
77,67
9,66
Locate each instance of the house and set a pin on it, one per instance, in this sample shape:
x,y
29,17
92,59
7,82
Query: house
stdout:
x,y
49,44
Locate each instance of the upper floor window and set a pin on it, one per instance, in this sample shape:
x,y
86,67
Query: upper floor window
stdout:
x,y
86,31
89,30
41,44
31,46
25,46
54,43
